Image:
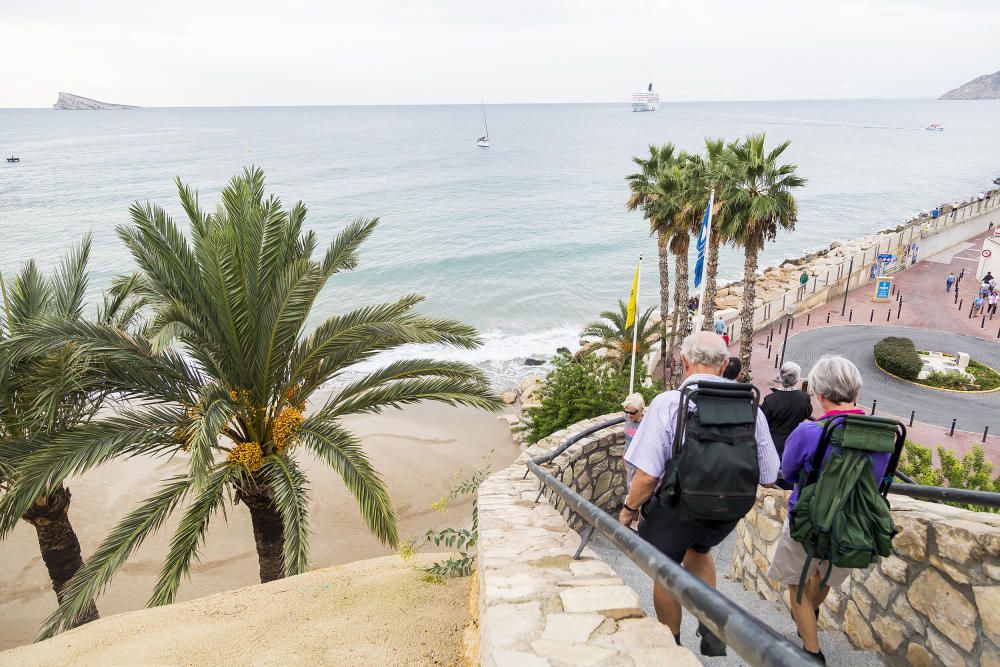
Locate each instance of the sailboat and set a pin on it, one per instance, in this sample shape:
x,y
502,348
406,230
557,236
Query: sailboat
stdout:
x,y
484,141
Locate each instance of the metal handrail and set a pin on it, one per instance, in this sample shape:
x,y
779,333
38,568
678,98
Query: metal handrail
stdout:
x,y
572,440
734,625
945,494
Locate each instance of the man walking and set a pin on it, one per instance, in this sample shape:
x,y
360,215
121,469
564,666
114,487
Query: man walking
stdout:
x,y
720,325
684,540
949,281
992,309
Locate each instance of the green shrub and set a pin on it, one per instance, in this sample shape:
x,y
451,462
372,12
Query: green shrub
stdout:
x,y
580,389
944,380
986,377
972,471
899,357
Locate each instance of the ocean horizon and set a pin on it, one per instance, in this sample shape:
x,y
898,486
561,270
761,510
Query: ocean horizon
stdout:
x,y
528,240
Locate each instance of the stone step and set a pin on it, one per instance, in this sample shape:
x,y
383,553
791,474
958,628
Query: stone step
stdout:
x,y
835,645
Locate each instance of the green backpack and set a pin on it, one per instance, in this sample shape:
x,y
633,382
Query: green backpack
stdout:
x,y
841,515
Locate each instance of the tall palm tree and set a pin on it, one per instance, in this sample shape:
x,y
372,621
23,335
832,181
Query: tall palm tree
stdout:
x,y
709,177
654,195
612,334
758,201
43,395
226,378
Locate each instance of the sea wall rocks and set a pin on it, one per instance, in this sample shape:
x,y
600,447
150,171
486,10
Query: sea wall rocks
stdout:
x,y
934,601
537,605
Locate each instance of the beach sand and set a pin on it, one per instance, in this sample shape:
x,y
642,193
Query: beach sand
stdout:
x,y
371,612
421,451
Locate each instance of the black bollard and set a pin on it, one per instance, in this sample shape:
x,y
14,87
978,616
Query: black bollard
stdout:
x,y
888,315
768,351
986,431
983,323
971,308
960,304
850,316
956,295
871,318
809,315
899,309
828,318
952,432
874,403
780,324
913,413
776,361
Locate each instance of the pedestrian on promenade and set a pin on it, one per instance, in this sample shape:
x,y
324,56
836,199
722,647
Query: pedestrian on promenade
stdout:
x,y
733,367
977,306
949,281
668,513
992,304
785,408
836,383
720,325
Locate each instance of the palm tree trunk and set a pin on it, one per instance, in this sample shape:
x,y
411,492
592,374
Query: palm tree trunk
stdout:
x,y
268,532
711,286
681,295
746,311
58,544
682,278
664,266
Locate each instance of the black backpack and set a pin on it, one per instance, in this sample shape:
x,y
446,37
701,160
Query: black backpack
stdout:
x,y
713,472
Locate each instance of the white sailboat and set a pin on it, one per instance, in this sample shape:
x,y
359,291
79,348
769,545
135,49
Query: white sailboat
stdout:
x,y
484,141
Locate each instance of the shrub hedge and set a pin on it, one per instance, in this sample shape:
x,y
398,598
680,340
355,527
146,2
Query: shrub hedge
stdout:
x,y
899,357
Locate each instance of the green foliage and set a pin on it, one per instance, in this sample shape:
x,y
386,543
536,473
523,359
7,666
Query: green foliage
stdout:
x,y
898,357
576,390
462,539
973,471
612,334
234,289
986,377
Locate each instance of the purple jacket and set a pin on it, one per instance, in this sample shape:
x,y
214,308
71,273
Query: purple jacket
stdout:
x,y
800,448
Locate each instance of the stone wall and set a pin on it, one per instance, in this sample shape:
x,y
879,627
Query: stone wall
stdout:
x,y
538,606
934,601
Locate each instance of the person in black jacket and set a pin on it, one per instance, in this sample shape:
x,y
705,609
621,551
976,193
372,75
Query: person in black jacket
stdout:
x,y
786,408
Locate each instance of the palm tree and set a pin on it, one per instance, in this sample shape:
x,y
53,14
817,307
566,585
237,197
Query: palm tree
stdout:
x,y
653,194
708,176
612,334
758,201
43,395
225,378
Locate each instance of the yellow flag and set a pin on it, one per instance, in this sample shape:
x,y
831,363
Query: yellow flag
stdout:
x,y
632,297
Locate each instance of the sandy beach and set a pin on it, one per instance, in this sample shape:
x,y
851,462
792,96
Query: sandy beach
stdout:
x,y
421,452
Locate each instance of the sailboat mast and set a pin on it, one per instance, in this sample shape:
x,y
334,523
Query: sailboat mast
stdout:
x,y
487,127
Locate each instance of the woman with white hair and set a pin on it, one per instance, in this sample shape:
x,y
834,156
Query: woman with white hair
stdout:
x,y
634,406
836,383
787,406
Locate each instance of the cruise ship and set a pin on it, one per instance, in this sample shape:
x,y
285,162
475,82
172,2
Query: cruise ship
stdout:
x,y
647,101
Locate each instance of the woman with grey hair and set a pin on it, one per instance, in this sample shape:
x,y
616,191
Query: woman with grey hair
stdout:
x,y
787,406
634,406
836,383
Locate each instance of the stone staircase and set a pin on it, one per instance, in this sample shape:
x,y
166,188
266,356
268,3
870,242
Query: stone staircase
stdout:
x,y
836,647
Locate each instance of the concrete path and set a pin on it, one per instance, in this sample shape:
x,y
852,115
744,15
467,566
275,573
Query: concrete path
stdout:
x,y
836,647
896,397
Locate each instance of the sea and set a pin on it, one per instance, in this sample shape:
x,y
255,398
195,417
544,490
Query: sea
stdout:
x,y
528,240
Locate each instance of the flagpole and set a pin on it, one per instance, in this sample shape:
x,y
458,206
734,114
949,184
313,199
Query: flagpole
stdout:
x,y
635,327
704,278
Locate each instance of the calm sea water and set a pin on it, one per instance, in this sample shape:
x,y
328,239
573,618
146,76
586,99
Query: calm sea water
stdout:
x,y
527,240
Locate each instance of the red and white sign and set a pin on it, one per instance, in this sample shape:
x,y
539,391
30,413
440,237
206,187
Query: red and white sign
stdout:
x,y
987,252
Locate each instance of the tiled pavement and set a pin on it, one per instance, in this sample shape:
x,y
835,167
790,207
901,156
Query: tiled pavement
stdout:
x,y
925,305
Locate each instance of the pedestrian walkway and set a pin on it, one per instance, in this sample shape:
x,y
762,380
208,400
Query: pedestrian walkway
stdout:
x,y
836,647
925,305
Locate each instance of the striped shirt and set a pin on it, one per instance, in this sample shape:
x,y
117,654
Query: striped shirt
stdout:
x,y
650,448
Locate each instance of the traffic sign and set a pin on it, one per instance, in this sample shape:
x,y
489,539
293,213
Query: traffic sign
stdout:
x,y
987,252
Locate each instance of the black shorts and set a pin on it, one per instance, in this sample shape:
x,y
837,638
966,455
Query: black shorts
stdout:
x,y
673,538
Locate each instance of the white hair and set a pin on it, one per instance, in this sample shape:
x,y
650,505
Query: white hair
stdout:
x,y
836,379
790,372
634,402
704,348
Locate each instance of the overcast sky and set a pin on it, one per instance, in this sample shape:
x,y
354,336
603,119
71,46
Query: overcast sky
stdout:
x,y
290,52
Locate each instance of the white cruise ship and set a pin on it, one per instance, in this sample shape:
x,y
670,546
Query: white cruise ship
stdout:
x,y
647,101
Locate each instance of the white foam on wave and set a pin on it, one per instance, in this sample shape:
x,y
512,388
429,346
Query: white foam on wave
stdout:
x,y
501,356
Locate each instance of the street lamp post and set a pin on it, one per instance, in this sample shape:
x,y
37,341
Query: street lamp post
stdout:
x,y
790,312
847,287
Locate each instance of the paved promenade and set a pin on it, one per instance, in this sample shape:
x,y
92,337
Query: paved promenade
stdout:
x,y
925,306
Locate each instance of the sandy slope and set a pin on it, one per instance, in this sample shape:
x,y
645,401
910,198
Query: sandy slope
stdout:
x,y
421,452
371,612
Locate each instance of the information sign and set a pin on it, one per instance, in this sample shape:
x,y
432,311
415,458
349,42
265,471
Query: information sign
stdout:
x,y
883,288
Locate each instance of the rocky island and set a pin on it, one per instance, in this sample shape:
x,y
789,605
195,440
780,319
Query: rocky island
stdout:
x,y
985,87
71,102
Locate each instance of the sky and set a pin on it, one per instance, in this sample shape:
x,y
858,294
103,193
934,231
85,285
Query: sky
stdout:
x,y
299,52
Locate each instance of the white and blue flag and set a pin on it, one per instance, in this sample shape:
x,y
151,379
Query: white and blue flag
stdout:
x,y
703,234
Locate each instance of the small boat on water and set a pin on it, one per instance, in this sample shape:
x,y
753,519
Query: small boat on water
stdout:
x,y
484,141
13,159
934,127
647,101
